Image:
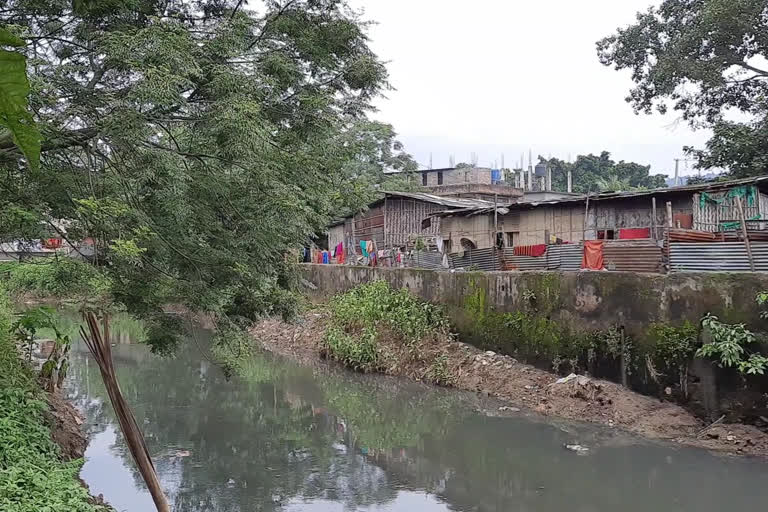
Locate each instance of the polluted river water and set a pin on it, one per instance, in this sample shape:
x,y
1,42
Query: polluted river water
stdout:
x,y
282,437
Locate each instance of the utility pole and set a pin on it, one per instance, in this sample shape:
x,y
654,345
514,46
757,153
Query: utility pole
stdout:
x,y
530,170
677,171
677,168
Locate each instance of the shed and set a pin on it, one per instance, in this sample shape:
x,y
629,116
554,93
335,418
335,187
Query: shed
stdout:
x,y
399,219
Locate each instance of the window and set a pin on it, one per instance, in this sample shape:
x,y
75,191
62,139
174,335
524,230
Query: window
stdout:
x,y
424,179
466,176
607,234
439,177
467,244
512,238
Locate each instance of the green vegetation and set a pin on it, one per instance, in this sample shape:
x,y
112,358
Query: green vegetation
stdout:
x,y
729,347
63,278
600,173
362,317
530,334
671,350
705,60
32,476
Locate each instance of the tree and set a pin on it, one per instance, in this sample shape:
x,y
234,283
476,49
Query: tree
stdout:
x,y
379,163
593,173
197,142
703,58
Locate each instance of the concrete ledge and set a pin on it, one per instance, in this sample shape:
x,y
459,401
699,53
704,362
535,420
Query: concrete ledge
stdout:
x,y
576,300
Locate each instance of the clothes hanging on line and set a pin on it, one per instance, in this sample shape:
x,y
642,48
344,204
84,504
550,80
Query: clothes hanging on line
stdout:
x,y
364,248
530,250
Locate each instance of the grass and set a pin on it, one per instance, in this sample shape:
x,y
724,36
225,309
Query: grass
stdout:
x,y
32,476
60,278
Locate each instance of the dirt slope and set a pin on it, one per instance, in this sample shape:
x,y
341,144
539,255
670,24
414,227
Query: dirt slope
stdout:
x,y
523,386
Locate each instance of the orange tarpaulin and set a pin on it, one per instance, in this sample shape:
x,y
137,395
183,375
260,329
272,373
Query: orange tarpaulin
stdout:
x,y
593,255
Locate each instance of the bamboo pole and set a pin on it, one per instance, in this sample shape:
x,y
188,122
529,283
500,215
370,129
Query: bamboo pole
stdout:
x,y
99,345
744,232
586,215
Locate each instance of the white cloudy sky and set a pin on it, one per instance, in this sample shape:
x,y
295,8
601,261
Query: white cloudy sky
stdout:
x,y
500,76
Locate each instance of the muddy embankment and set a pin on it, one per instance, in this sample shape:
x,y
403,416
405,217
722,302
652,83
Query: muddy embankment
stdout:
x,y
66,425
525,387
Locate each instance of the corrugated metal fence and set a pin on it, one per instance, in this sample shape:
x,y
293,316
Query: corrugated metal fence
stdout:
x,y
632,256
565,257
479,259
625,256
425,259
716,257
558,257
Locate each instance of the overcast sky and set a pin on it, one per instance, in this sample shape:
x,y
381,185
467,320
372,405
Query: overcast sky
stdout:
x,y
500,76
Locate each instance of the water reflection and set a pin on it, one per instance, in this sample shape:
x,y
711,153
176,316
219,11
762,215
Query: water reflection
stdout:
x,y
294,439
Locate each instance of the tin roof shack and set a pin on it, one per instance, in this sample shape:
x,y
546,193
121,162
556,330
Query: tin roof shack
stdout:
x,y
398,220
612,215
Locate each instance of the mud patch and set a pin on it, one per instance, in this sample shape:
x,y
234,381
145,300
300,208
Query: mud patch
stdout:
x,y
66,427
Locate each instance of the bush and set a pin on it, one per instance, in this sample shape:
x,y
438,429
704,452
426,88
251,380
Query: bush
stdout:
x,y
358,352
728,347
32,477
360,316
61,278
377,304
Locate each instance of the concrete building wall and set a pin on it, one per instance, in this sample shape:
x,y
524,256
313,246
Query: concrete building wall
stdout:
x,y
458,176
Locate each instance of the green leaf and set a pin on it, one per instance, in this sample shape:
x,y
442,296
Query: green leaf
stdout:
x,y
9,39
14,88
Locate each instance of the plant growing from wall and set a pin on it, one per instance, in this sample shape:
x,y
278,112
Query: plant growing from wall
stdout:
x,y
762,300
729,347
673,349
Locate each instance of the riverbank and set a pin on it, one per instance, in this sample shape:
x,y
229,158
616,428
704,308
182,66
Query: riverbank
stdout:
x,y
41,438
522,386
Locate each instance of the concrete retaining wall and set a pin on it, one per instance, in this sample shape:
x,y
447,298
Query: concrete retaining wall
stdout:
x,y
579,301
